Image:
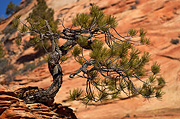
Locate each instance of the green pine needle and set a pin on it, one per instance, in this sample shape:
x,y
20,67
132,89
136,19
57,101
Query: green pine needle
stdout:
x,y
155,68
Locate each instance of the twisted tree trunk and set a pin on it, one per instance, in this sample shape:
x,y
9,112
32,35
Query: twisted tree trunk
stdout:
x,y
34,94
47,96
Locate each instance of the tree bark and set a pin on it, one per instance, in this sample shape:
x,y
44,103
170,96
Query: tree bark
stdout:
x,y
47,96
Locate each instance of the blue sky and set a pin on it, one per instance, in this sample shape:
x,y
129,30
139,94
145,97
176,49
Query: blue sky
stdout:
x,y
3,6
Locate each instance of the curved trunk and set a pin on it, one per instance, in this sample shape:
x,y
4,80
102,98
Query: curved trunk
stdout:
x,y
47,96
57,80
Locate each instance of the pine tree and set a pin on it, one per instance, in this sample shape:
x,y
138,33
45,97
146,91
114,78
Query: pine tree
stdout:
x,y
115,68
37,18
12,8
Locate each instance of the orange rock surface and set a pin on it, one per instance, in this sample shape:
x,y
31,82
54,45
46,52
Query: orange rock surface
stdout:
x,y
161,19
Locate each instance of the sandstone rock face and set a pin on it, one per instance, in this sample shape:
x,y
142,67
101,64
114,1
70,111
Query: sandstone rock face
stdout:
x,y
161,19
14,108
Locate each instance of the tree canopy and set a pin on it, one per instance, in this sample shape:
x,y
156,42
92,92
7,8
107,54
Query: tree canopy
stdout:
x,y
37,18
114,68
11,8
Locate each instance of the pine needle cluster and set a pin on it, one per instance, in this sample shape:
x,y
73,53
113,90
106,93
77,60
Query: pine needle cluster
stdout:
x,y
36,20
119,69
